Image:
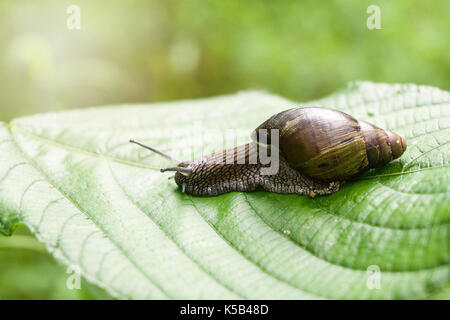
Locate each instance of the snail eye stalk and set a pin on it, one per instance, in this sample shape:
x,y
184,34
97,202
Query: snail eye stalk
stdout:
x,y
162,154
182,170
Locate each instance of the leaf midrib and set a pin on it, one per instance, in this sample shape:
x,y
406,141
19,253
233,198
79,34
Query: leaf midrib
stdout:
x,y
143,166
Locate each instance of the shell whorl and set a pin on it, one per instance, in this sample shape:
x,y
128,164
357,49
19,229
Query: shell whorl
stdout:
x,y
382,146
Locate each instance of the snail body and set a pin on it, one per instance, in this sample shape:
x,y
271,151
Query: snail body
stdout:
x,y
317,149
231,170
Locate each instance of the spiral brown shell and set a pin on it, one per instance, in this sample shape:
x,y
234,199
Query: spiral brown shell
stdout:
x,y
331,145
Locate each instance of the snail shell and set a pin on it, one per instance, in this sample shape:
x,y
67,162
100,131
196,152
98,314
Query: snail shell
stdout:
x,y
331,145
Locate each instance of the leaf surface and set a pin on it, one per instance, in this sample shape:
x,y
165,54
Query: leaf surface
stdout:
x,y
99,203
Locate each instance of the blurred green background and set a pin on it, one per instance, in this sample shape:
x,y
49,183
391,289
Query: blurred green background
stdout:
x,y
144,51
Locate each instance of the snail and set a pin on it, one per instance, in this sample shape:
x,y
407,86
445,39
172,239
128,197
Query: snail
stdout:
x,y
315,150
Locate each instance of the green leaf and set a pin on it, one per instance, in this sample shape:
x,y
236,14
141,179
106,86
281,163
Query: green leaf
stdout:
x,y
29,272
101,204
